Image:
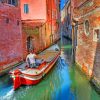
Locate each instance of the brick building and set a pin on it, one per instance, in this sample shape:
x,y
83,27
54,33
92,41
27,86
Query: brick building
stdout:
x,y
10,36
86,19
39,22
66,22
25,25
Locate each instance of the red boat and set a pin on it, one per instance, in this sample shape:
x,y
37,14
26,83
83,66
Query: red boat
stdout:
x,y
31,76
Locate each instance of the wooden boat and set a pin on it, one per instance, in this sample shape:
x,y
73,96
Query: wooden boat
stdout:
x,y
31,76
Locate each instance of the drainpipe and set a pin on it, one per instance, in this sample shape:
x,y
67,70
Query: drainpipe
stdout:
x,y
73,46
41,39
74,38
45,37
60,25
51,24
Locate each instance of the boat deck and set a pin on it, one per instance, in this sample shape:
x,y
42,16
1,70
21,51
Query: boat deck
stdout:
x,y
48,56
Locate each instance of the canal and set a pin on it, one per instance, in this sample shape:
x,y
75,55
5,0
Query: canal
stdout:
x,y
64,82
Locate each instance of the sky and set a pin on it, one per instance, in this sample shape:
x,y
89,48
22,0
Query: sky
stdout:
x,y
63,2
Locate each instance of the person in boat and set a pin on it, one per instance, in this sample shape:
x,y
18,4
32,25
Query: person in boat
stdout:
x,y
33,60
30,59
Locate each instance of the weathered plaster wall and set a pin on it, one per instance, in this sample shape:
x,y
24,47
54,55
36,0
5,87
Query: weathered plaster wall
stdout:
x,y
10,36
37,9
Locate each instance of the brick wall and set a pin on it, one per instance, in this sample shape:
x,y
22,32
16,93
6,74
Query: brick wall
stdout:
x,y
10,35
88,48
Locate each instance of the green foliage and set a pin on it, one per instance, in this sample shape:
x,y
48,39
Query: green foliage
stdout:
x,y
31,31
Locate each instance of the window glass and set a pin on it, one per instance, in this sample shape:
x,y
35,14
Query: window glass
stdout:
x,y
13,2
26,8
86,26
96,36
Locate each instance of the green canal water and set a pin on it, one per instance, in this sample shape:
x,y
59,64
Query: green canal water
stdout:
x,y
63,82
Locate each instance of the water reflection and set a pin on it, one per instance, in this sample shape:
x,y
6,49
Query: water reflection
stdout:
x,y
5,87
55,86
81,86
63,93
63,82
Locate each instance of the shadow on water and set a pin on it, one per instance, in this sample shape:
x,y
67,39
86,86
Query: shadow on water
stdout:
x,y
81,86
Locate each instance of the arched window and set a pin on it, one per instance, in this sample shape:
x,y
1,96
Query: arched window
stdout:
x,y
86,27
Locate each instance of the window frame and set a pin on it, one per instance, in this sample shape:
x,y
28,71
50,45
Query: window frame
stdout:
x,y
87,31
13,2
96,36
26,8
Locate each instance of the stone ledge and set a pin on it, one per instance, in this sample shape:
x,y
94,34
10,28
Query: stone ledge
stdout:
x,y
10,67
80,68
96,84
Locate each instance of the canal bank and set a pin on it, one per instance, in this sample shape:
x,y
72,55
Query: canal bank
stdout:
x,y
64,82
81,85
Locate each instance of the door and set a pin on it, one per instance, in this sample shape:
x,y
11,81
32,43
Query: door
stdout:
x,y
30,44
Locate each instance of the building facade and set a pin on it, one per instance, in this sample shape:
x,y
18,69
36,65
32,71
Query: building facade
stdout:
x,y
66,22
39,22
26,25
10,36
87,19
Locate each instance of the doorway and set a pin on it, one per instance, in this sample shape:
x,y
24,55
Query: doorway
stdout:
x,y
30,43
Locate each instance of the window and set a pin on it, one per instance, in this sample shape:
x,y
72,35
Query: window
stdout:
x,y
26,8
96,35
86,27
7,20
30,43
13,2
17,22
2,1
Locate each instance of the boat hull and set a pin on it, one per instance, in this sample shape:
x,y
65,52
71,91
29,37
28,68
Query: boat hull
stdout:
x,y
20,78
24,81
